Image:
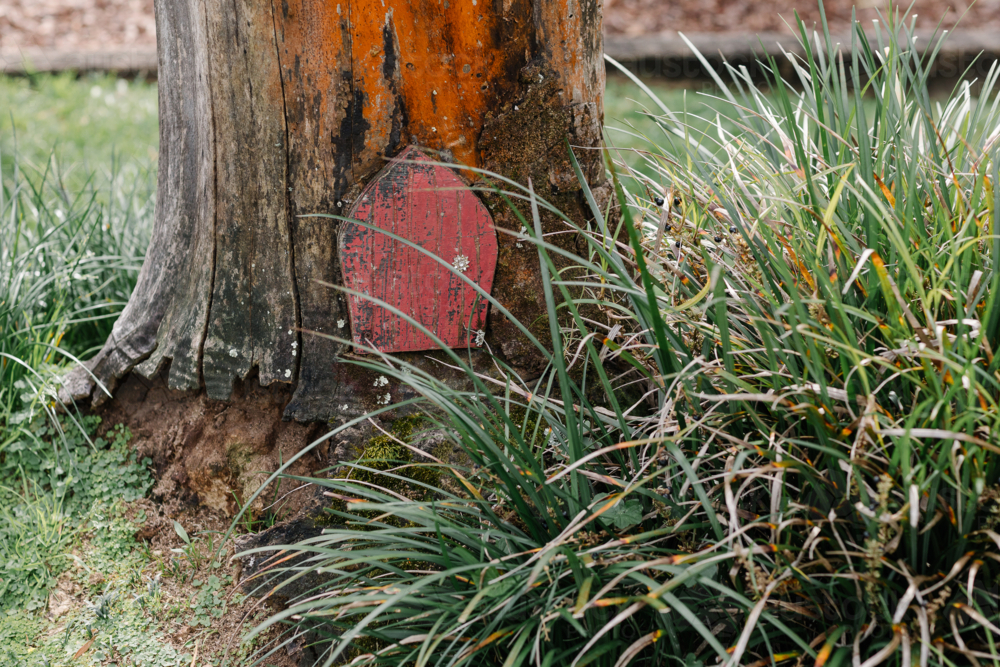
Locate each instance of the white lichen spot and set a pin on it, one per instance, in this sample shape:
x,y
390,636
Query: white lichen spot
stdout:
x,y
384,400
461,263
345,406
295,353
381,381
288,373
295,344
480,338
233,353
340,324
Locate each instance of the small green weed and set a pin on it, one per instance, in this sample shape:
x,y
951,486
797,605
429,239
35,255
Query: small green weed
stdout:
x,y
210,602
60,481
253,521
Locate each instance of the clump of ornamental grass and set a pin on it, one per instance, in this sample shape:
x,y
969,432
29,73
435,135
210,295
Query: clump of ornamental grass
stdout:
x,y
810,474
830,265
68,263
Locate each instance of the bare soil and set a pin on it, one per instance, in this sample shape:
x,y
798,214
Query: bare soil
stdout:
x,y
213,454
95,25
178,589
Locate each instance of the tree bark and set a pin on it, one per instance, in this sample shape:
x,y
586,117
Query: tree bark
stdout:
x,y
270,111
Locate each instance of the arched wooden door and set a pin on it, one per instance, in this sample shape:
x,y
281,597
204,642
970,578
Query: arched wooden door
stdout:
x,y
428,205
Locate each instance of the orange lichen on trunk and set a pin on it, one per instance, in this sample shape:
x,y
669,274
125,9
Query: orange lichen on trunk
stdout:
x,y
440,66
376,77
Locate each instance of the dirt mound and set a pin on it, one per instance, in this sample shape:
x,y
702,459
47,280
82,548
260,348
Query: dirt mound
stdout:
x,y
216,454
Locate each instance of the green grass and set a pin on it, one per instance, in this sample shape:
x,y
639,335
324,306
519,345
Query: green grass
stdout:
x,y
75,221
90,124
77,177
630,115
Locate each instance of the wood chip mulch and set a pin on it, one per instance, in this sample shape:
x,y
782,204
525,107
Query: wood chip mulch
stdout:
x,y
95,25
76,25
638,17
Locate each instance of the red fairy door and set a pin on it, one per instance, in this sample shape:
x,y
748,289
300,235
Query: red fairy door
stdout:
x,y
429,206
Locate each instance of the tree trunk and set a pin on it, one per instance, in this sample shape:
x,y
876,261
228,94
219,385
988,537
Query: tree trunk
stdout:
x,y
273,111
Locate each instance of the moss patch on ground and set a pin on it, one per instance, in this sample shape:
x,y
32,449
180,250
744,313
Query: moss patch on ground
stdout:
x,y
390,463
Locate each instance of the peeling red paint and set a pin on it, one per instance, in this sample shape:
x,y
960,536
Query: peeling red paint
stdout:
x,y
430,206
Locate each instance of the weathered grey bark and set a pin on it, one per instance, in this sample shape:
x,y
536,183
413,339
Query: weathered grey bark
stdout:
x,y
272,111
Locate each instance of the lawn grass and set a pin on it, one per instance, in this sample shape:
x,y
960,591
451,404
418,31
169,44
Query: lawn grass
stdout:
x,y
630,115
89,123
76,213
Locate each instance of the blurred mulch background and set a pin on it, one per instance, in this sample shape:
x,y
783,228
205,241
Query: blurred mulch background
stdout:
x,y
76,25
95,25
638,17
